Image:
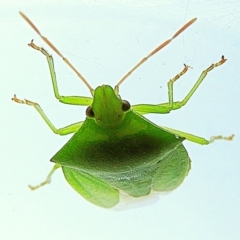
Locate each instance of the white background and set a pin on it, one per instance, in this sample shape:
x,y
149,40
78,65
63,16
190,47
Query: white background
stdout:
x,y
104,39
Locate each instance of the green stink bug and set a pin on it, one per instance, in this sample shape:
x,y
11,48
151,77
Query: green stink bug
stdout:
x,y
115,149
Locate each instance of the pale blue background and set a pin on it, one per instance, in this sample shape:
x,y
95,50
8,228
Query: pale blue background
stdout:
x,y
104,39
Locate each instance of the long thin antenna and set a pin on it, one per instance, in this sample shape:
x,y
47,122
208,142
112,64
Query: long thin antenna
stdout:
x,y
156,50
57,51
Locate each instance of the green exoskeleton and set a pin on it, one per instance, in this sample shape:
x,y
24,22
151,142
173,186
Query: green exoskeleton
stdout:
x,y
115,149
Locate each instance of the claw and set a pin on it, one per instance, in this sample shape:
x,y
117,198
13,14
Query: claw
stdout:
x,y
17,100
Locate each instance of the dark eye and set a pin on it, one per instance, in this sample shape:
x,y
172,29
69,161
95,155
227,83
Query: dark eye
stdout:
x,y
125,105
89,112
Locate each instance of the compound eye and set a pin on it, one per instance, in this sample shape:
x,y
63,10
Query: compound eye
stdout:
x,y
125,105
89,112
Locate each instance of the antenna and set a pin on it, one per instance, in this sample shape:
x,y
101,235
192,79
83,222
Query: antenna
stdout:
x,y
161,46
57,51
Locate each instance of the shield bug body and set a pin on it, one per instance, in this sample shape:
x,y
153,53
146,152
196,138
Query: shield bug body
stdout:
x,y
115,149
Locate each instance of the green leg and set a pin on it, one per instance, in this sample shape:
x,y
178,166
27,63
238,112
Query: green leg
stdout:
x,y
75,100
48,179
61,131
197,139
167,107
170,86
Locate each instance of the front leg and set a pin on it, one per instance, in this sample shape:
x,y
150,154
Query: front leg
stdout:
x,y
171,105
74,100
